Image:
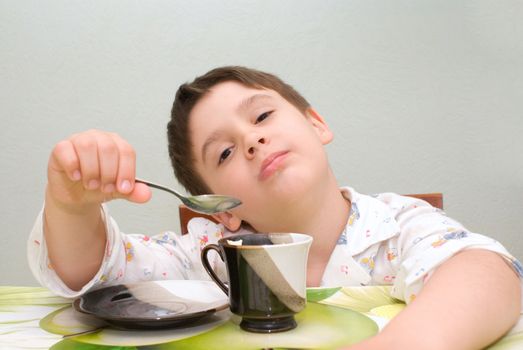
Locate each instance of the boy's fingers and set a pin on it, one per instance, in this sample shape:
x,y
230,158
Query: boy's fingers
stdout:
x,y
104,162
86,149
65,159
108,158
126,166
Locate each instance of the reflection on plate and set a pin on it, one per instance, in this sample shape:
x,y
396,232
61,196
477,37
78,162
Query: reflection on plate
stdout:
x,y
154,304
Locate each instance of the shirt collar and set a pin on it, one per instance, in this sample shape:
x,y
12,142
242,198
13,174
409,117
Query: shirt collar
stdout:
x,y
370,222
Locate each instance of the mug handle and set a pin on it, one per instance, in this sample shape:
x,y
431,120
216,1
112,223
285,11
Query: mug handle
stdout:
x,y
208,268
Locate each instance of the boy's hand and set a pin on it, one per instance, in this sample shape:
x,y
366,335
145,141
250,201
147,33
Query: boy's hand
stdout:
x,y
93,167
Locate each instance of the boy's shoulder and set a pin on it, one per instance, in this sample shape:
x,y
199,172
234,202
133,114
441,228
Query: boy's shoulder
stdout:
x,y
391,200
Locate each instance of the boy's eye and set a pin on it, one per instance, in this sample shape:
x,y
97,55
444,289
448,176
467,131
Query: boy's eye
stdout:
x,y
262,117
225,154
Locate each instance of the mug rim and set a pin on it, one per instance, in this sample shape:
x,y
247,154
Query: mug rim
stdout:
x,y
223,241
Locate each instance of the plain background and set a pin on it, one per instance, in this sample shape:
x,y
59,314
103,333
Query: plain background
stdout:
x,y
423,96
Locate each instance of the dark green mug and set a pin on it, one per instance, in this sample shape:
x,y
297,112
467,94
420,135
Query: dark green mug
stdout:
x,y
267,277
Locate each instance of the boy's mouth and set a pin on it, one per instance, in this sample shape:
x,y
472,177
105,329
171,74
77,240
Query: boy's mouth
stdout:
x,y
271,164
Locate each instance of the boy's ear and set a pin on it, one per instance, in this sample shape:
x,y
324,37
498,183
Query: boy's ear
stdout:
x,y
322,129
229,220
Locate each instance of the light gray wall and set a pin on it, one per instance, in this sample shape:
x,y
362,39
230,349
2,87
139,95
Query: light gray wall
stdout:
x,y
422,95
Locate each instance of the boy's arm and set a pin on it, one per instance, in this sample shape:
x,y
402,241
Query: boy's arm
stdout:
x,y
75,241
469,302
84,171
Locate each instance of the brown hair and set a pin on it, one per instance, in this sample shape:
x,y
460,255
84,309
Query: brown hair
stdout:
x,y
188,95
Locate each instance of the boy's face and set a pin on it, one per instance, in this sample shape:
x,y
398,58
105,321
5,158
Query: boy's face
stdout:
x,y
254,145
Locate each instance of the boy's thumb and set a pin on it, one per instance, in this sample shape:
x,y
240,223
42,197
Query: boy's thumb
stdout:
x,y
141,193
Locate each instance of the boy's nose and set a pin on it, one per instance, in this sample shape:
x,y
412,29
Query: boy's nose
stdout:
x,y
254,144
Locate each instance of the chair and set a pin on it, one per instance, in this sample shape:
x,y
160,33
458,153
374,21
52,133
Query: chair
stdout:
x,y
186,214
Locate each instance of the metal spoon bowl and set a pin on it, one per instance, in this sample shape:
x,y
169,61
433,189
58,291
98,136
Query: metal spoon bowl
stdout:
x,y
204,204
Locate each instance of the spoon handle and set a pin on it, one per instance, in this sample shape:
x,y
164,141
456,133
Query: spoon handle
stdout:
x,y
160,187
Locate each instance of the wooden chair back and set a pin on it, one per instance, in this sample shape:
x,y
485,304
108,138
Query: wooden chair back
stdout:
x,y
186,214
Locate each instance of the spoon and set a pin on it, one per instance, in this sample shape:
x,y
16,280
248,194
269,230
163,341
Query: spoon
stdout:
x,y
204,204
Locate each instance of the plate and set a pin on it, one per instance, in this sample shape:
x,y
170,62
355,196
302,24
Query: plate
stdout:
x,y
153,304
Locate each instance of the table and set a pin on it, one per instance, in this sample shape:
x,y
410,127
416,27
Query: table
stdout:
x,y
33,318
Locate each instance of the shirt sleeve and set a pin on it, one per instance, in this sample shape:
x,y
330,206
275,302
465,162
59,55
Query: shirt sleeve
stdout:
x,y
427,239
130,258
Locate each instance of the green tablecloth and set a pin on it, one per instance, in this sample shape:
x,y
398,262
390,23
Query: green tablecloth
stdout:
x,y
33,318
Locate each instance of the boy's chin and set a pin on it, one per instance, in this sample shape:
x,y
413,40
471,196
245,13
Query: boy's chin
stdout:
x,y
289,183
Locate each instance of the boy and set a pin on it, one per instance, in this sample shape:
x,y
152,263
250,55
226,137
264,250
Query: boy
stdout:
x,y
245,133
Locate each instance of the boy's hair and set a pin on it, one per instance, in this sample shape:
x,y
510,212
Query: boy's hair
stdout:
x,y
188,95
